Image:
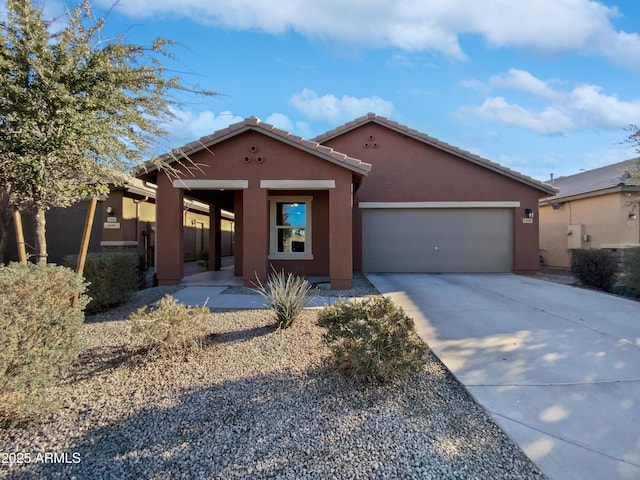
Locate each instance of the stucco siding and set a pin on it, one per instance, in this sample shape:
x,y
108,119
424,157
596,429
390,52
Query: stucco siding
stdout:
x,y
407,170
603,221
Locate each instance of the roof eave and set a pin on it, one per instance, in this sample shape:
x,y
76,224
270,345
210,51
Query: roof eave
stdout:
x,y
593,193
205,143
426,139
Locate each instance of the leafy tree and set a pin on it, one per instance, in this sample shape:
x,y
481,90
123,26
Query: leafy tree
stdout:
x,y
634,139
5,224
77,111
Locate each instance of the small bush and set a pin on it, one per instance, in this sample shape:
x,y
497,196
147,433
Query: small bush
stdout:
x,y
373,340
171,328
594,267
632,268
40,335
112,277
286,295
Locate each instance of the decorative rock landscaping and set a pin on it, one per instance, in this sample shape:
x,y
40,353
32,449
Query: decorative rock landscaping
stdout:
x,y
254,403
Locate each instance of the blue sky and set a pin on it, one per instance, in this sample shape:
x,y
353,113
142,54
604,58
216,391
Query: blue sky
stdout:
x,y
539,86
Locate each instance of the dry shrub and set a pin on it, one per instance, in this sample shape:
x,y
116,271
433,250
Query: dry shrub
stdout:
x,y
373,340
40,336
170,329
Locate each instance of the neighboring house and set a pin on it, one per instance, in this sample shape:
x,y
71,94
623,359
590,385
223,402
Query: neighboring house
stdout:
x,y
64,232
125,219
593,209
371,195
129,215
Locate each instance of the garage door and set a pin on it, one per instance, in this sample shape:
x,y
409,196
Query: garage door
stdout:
x,y
437,240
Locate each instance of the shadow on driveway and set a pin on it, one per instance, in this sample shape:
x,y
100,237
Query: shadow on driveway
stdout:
x,y
557,366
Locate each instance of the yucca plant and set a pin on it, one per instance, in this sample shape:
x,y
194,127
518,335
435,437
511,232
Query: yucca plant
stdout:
x,y
287,295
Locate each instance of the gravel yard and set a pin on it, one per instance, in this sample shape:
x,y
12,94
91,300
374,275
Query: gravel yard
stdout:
x,y
255,403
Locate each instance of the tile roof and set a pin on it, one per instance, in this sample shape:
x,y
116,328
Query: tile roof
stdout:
x,y
434,142
596,180
253,123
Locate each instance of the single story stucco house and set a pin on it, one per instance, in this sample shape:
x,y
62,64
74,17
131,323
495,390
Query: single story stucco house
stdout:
x,y
371,195
593,209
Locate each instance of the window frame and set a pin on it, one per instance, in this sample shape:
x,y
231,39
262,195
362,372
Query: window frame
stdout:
x,y
273,228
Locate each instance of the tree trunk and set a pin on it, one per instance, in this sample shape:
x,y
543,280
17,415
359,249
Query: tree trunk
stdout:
x,y
4,239
17,224
39,232
84,246
6,216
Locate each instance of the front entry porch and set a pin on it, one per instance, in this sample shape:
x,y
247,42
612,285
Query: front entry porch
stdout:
x,y
225,277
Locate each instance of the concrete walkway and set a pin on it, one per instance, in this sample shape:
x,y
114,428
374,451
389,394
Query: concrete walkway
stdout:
x,y
558,367
206,287
212,297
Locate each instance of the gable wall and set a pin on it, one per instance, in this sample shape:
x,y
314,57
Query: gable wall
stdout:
x,y
406,170
280,162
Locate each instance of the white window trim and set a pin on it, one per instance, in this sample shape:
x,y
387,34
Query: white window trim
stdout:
x,y
498,204
298,184
273,233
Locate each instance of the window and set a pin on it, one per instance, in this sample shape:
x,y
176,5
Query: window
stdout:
x,y
290,227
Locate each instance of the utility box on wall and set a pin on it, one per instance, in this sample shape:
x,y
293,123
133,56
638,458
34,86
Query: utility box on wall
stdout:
x,y
575,234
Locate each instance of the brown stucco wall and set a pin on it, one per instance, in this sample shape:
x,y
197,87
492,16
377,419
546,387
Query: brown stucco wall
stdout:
x,y
196,234
407,170
64,232
280,161
169,232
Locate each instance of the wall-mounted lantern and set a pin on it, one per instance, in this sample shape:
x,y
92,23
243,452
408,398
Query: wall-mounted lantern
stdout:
x,y
528,213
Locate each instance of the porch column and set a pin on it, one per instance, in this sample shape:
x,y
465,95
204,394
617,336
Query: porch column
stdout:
x,y
255,219
169,232
215,237
340,236
238,237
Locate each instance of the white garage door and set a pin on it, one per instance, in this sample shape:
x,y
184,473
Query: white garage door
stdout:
x,y
437,240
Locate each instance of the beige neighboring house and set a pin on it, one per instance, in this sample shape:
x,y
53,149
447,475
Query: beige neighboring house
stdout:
x,y
593,209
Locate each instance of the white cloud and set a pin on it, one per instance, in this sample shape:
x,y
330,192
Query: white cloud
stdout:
x,y
283,122
599,110
187,126
336,110
524,81
584,106
549,121
583,26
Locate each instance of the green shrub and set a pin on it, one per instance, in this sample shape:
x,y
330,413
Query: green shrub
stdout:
x,y
286,295
112,277
373,340
171,328
632,269
594,267
40,335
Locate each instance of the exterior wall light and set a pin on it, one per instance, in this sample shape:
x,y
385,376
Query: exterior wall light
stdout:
x,y
110,210
528,213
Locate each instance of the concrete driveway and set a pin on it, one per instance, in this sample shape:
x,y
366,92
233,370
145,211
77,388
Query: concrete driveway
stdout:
x,y
558,367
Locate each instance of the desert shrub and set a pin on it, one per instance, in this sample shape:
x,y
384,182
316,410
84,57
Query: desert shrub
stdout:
x,y
594,267
632,270
40,335
112,277
372,340
170,329
286,295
